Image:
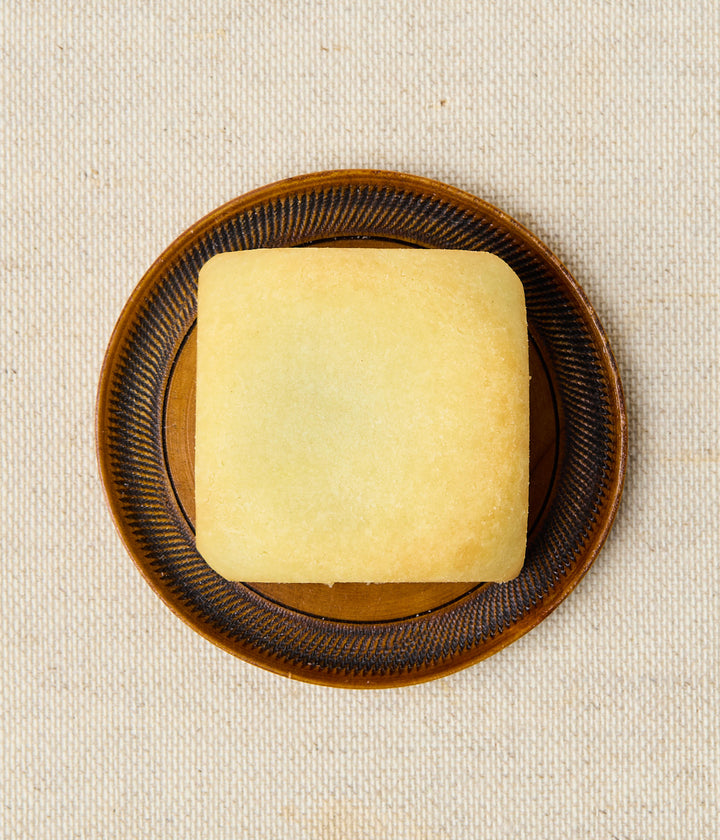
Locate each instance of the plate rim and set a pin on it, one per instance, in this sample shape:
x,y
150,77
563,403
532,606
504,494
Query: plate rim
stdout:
x,y
418,185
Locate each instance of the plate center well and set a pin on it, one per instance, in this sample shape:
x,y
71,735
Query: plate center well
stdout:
x,y
359,601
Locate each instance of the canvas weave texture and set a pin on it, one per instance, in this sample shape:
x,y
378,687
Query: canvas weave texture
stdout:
x,y
596,125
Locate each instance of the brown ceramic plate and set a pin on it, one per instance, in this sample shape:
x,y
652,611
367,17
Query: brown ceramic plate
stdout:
x,y
358,635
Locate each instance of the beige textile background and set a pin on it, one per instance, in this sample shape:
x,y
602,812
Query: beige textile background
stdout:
x,y
596,125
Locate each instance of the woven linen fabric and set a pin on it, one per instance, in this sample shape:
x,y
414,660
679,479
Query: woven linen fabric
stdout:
x,y
595,125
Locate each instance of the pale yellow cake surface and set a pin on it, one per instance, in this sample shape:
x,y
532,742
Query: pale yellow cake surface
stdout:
x,y
362,415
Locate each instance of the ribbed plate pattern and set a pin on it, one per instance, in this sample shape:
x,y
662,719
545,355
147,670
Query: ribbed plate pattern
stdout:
x,y
419,213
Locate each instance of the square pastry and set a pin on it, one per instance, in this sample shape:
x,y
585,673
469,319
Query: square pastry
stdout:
x,y
362,415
